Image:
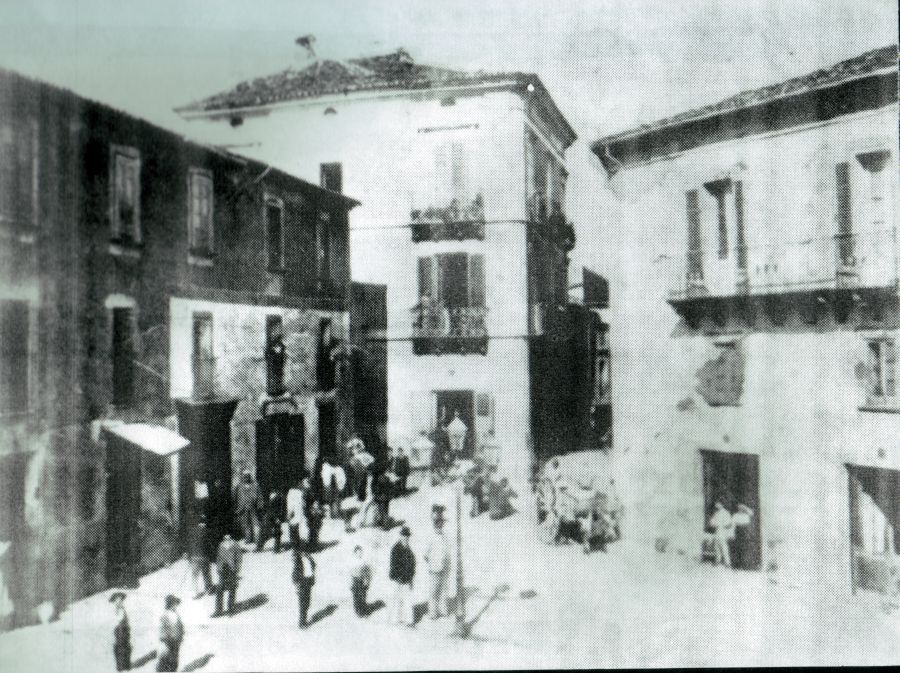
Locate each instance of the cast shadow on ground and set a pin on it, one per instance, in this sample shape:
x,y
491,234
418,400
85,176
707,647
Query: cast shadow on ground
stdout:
x,y
324,613
451,600
372,608
198,663
250,603
322,546
146,659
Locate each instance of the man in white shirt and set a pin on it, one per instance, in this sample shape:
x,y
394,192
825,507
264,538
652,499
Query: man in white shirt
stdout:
x,y
722,525
296,515
437,558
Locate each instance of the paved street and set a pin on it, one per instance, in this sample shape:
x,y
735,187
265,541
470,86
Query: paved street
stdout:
x,y
629,607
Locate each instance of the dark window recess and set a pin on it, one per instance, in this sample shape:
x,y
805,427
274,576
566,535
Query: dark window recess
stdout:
x,y
331,177
695,251
275,355
323,241
741,241
275,236
844,214
324,362
13,356
426,284
122,356
720,189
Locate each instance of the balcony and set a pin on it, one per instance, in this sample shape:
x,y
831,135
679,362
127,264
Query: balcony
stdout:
x,y
550,221
454,222
829,270
438,329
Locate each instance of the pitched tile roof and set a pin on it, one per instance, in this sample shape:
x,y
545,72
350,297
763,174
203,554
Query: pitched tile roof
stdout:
x,y
393,71
853,68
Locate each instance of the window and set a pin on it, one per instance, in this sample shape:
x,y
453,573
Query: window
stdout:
x,y
741,241
331,177
325,366
323,246
14,371
122,356
18,173
882,370
454,280
126,195
275,234
720,189
203,359
200,212
874,163
844,214
695,242
450,174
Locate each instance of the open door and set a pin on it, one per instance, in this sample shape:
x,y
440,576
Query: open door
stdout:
x,y
123,502
874,527
733,480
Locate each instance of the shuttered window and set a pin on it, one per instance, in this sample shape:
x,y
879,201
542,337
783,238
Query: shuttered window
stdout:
x,y
695,252
844,214
476,281
126,194
13,357
122,356
740,235
455,280
275,234
200,211
882,368
426,278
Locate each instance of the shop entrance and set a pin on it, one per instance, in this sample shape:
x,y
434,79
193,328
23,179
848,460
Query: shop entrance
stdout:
x,y
733,480
874,519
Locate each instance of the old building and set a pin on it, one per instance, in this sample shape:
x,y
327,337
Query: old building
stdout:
x,y
463,180
141,278
757,324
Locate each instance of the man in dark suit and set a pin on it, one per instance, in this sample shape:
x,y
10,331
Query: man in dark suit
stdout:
x,y
402,571
304,577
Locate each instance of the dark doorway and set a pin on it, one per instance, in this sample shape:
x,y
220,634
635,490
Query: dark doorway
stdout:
x,y
461,403
874,527
733,479
13,529
123,504
279,451
328,432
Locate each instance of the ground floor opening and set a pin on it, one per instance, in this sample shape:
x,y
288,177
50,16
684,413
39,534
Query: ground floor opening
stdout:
x,y
732,479
874,530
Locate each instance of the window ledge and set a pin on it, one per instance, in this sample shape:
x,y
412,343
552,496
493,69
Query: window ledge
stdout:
x,y
890,405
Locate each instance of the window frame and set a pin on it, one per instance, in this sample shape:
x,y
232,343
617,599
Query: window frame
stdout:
x,y
881,393
132,156
272,201
195,250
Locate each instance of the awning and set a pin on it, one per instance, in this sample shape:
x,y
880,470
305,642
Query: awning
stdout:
x,y
153,438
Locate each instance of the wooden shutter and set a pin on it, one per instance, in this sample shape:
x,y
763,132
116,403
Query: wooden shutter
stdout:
x,y
890,360
741,241
844,213
453,279
477,291
426,278
695,252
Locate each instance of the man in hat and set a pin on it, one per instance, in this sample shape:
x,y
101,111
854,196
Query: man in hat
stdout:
x,y
272,518
437,558
248,503
121,632
360,578
722,525
402,570
228,565
198,550
171,633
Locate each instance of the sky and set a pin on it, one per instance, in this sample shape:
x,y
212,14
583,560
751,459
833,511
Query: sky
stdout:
x,y
609,64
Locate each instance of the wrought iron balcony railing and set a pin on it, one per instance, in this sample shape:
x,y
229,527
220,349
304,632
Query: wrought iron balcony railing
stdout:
x,y
440,329
454,222
865,260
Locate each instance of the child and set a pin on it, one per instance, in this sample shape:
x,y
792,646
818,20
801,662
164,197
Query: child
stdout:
x,y
360,578
121,633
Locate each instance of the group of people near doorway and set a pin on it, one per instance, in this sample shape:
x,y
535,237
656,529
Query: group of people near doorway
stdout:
x,y
728,529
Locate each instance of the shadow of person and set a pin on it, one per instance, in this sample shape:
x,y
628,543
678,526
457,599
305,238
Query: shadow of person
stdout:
x,y
324,613
198,663
250,603
419,611
147,658
322,546
372,608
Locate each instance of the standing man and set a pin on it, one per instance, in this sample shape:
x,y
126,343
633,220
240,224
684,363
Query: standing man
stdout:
x,y
360,579
248,503
272,518
400,468
437,558
315,515
228,565
198,549
121,633
297,508
304,577
171,633
402,571
722,525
